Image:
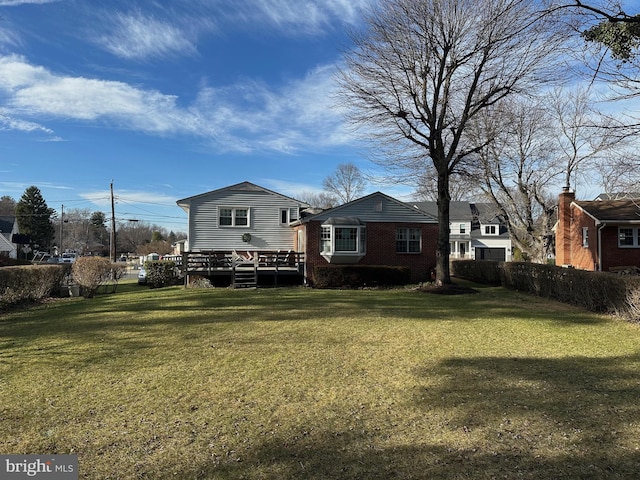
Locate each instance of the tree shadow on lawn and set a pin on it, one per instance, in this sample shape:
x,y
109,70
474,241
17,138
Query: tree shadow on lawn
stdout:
x,y
532,418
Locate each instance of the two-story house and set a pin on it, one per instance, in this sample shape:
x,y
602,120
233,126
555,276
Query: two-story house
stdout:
x,y
476,230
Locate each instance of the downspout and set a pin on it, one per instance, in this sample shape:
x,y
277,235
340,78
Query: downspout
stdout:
x,y
600,228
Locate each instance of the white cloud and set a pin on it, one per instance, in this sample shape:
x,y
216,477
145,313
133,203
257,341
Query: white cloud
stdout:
x,y
242,117
15,3
139,36
9,123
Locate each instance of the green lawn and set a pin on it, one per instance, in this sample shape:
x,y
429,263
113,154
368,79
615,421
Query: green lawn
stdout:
x,y
317,384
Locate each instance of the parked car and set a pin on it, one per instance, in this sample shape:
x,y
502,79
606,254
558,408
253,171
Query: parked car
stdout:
x,y
68,257
142,276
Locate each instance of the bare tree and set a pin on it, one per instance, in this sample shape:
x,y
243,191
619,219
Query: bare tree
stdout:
x,y
518,167
462,186
347,183
422,70
318,200
580,134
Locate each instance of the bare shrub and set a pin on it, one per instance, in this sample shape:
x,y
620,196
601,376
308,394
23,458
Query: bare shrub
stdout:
x,y
90,273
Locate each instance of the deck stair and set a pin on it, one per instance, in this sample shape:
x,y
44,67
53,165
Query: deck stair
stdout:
x,y
245,272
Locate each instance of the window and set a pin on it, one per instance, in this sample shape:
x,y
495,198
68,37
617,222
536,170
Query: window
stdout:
x,y
346,239
337,240
489,229
288,215
408,240
325,240
462,228
585,237
233,217
628,237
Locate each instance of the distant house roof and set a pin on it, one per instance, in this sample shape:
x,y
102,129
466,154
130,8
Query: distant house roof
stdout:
x,y
486,213
458,211
6,225
616,211
619,196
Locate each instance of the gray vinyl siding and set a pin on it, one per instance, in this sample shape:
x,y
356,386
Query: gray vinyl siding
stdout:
x,y
264,222
378,208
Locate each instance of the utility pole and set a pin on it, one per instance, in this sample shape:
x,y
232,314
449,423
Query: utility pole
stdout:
x,y
112,250
61,226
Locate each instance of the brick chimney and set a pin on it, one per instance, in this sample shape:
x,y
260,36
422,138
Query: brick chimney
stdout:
x,y
563,232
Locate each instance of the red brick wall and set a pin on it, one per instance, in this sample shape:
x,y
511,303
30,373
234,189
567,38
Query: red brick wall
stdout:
x,y
563,232
612,255
581,257
381,248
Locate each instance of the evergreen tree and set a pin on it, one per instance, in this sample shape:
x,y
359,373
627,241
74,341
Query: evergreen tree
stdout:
x,y
34,219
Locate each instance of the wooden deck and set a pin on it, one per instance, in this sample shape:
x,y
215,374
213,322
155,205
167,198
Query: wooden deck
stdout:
x,y
243,268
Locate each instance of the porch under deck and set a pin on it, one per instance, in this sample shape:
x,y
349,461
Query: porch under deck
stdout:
x,y
244,268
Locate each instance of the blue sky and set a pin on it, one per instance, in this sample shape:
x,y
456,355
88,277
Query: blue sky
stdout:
x,y
169,100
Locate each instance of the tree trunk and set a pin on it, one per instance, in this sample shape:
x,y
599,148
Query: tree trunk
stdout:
x,y
443,275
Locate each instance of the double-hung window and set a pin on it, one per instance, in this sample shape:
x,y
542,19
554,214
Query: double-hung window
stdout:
x,y
341,239
233,217
408,240
629,237
585,237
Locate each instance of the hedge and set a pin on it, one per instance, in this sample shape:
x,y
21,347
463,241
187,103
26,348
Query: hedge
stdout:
x,y
599,292
160,273
357,276
29,283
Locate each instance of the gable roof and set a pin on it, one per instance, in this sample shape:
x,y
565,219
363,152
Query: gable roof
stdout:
x,y
459,211
370,209
487,213
6,225
619,196
238,187
612,211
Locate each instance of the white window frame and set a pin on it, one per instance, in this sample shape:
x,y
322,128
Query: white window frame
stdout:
x,y
328,240
463,228
407,240
635,237
491,229
289,214
235,217
585,237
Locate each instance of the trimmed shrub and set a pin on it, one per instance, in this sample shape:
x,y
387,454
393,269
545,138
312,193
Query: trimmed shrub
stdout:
x,y
28,283
357,276
160,273
600,292
486,272
92,272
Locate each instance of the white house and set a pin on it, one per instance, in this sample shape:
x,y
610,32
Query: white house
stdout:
x,y
8,228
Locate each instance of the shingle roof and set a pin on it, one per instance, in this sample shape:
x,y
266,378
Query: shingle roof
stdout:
x,y
458,211
612,210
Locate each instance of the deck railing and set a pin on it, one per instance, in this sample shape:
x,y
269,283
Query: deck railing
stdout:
x,y
211,262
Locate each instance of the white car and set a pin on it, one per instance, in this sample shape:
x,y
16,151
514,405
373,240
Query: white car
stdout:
x,y
68,257
142,276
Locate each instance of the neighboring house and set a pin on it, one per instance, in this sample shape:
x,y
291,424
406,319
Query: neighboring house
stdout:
x,y
477,231
243,217
460,221
490,239
373,230
599,234
8,228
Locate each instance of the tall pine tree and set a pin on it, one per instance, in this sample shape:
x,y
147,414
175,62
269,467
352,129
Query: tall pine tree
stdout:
x,y
34,219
